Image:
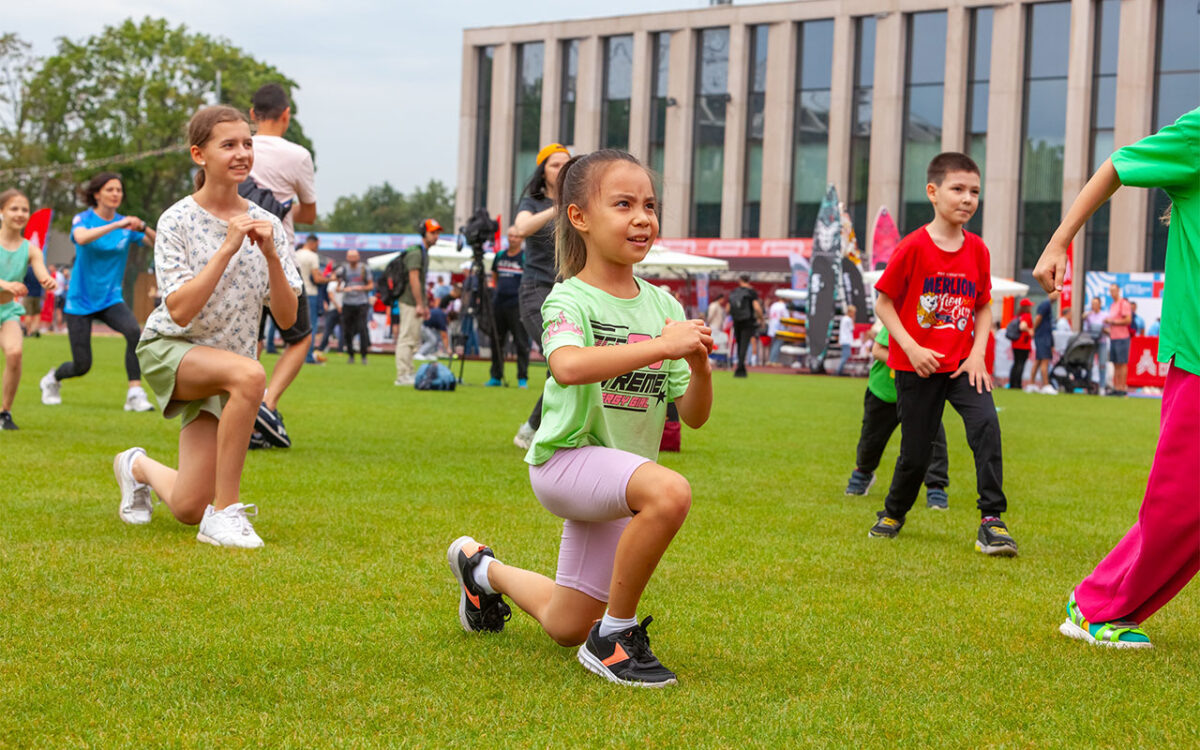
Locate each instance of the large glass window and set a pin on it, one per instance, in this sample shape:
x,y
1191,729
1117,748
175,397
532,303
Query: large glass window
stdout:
x,y
926,77
860,121
1043,131
757,95
658,101
708,152
618,91
483,124
527,114
1176,91
566,94
810,133
977,99
1104,111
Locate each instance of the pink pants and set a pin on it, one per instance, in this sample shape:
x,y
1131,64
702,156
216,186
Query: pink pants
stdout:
x,y
1161,553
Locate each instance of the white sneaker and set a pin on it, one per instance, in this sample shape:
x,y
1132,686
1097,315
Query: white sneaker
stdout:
x,y
229,527
136,504
136,400
50,387
524,437
405,380
1049,390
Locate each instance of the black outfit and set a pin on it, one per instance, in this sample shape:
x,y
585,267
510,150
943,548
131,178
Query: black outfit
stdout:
x,y
506,308
536,281
294,335
880,420
354,323
1020,357
921,402
745,328
79,332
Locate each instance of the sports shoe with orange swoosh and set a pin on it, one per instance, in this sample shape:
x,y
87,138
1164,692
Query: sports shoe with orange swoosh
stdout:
x,y
478,611
625,658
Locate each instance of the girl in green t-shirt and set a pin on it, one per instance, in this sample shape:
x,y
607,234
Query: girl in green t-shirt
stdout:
x,y
1161,553
619,349
16,255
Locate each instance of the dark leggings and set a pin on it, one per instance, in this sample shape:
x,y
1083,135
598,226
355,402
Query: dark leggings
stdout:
x,y
79,332
1020,356
354,324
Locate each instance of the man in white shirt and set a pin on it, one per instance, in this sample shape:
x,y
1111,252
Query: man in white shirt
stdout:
x,y
846,337
775,315
310,271
286,169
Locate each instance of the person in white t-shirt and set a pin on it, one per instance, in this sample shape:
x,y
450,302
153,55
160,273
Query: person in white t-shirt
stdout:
x,y
846,337
775,315
286,169
309,264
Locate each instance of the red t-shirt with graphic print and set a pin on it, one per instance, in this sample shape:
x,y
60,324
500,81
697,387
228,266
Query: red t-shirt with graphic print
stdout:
x,y
936,293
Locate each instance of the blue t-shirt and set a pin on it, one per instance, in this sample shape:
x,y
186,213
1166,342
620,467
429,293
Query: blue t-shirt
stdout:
x,y
99,269
1045,328
436,320
508,269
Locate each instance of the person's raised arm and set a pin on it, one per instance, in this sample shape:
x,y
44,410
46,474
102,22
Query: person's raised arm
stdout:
x,y
85,236
283,300
695,404
580,365
186,302
879,352
1051,268
527,222
306,213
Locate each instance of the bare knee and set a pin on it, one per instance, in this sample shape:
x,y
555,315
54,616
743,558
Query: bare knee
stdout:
x,y
672,498
250,381
567,634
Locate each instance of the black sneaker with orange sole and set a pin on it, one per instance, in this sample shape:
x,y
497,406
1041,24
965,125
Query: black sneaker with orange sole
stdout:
x,y
625,658
478,611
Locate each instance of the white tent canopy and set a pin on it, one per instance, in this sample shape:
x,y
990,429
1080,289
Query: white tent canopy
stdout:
x,y
1000,287
659,262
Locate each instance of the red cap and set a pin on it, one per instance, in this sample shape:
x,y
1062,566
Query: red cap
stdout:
x,y
432,225
1026,303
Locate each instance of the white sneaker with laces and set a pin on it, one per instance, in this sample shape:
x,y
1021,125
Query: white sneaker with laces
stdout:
x,y
229,527
524,437
136,506
50,389
136,400
1049,390
405,380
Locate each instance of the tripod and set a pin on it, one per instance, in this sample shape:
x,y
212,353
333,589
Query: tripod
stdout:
x,y
479,306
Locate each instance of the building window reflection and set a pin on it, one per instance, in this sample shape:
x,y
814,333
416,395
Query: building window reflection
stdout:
x,y
810,131
527,114
483,123
661,63
566,94
860,121
756,100
923,93
618,91
1104,111
708,153
978,78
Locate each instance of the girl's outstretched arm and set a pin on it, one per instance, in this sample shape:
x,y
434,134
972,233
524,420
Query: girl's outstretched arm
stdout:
x,y
1051,268
580,365
696,402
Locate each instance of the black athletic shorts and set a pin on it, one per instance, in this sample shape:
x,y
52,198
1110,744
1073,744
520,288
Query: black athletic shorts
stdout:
x,y
302,328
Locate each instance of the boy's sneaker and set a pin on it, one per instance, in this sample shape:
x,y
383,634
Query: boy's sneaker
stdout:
x,y
886,527
478,611
269,422
229,527
522,382
1114,634
50,389
936,498
135,400
258,442
860,482
524,437
6,421
625,658
136,504
995,540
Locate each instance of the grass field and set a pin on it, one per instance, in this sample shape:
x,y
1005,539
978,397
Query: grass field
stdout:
x,y
786,624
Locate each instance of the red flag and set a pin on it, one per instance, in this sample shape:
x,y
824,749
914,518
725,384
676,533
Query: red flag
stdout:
x,y
1066,290
38,228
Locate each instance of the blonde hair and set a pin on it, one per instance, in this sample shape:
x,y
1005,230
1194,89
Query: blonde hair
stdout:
x,y
200,128
9,194
578,181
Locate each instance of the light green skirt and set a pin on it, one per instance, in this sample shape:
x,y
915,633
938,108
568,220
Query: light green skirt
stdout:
x,y
160,357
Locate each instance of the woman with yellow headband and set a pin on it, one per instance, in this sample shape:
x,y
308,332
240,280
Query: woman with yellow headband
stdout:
x,y
534,227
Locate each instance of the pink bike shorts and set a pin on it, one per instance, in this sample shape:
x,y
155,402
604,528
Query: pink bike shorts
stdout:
x,y
586,488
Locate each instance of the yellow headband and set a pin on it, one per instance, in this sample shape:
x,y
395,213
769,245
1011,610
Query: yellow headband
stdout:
x,y
548,151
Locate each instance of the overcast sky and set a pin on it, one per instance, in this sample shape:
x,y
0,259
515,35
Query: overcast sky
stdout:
x,y
379,79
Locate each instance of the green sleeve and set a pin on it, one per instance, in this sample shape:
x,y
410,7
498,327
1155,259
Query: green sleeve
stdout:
x,y
1169,158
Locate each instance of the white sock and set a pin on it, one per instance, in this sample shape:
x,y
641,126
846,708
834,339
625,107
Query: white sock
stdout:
x,y
480,574
610,624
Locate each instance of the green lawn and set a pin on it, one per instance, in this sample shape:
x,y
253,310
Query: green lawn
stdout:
x,y
786,624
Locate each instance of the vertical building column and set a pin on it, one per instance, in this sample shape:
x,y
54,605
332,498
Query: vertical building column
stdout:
x,y
734,167
639,104
468,121
1002,190
1136,55
841,109
589,85
779,111
501,143
1077,155
677,160
887,113
958,63
552,69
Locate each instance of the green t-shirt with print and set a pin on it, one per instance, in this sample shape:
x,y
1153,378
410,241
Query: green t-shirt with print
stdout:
x,y
1170,159
626,412
882,379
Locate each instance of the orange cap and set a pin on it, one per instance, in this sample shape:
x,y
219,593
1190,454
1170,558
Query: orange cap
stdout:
x,y
549,150
432,225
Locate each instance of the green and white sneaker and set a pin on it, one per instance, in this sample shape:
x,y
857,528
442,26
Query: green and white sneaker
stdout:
x,y
1113,634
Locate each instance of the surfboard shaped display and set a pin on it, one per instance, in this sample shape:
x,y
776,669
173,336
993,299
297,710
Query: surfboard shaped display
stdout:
x,y
884,240
823,278
853,290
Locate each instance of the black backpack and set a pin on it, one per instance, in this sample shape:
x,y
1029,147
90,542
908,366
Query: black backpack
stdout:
x,y
1012,331
741,304
253,192
394,281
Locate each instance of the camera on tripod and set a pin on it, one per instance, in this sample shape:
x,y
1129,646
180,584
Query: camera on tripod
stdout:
x,y
479,230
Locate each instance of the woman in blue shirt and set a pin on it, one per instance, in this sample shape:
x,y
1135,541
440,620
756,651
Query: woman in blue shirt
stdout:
x,y
102,238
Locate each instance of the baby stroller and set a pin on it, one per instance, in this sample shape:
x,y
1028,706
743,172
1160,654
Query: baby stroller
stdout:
x,y
1074,369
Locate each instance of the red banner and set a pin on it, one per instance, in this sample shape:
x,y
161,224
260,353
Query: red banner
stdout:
x,y
1144,367
38,227
740,248
1068,282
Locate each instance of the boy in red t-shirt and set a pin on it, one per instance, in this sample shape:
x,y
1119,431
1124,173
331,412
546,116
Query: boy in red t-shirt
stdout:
x,y
935,300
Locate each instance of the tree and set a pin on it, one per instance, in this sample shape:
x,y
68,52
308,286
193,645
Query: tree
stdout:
x,y
383,209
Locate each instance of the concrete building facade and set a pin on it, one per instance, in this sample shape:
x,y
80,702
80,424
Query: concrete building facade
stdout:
x,y
746,112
